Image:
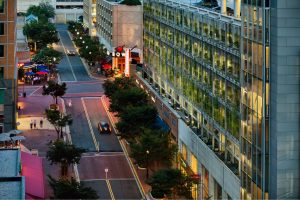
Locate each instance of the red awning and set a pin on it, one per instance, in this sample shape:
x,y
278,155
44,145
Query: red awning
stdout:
x,y
106,66
32,169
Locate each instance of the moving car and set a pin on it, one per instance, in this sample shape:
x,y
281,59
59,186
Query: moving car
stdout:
x,y
104,127
71,53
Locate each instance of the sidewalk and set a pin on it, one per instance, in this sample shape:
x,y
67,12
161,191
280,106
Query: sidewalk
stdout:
x,y
38,139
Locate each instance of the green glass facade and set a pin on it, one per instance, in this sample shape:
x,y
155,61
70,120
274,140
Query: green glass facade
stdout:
x,y
255,99
194,59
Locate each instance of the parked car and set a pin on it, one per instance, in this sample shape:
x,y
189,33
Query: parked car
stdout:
x,y
104,127
71,53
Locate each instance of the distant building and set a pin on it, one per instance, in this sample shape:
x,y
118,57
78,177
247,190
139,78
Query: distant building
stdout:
x,y
8,65
89,16
121,26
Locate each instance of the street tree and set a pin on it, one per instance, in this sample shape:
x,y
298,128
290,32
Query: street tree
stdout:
x,y
133,96
110,87
43,11
133,119
92,51
48,56
54,89
159,147
58,120
172,183
70,189
41,33
64,154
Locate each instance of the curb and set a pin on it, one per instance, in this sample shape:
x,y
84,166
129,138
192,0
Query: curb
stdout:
x,y
82,60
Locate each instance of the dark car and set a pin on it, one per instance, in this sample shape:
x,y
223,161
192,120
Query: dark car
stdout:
x,y
71,53
104,127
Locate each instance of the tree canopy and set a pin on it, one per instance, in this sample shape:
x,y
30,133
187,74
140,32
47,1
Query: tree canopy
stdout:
x,y
110,87
159,146
64,154
70,189
43,11
58,120
133,96
47,55
170,182
42,33
54,89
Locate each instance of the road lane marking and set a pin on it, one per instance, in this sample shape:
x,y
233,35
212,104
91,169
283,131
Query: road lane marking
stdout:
x,y
139,184
35,90
62,44
70,141
110,189
92,156
90,125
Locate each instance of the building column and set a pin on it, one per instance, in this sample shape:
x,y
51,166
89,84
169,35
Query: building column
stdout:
x,y
223,7
237,8
211,191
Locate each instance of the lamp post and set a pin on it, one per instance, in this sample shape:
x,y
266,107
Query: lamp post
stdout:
x,y
106,171
147,168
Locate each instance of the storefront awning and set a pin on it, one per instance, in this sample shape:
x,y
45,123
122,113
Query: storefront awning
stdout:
x,y
32,169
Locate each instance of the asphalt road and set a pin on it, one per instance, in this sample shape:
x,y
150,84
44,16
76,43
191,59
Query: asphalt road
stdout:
x,y
87,111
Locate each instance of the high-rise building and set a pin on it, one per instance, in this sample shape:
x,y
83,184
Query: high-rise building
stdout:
x,y
8,66
232,75
89,16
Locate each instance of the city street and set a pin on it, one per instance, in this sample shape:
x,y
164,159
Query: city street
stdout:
x,y
87,110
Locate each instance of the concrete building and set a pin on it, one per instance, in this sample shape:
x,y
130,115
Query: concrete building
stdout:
x,y
12,184
8,65
237,96
119,24
89,16
66,10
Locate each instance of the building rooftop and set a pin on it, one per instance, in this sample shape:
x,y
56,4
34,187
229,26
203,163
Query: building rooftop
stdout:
x,y
203,11
9,162
12,188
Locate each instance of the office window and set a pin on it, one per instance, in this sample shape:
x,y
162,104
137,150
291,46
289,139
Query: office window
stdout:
x,y
1,6
1,96
1,28
1,73
1,50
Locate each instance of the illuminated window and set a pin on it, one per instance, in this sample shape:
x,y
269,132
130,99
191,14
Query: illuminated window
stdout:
x,y
184,152
194,164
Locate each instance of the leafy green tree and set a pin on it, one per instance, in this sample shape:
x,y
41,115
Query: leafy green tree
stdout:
x,y
54,89
58,120
170,182
93,51
129,97
47,56
159,146
131,2
43,11
41,33
64,154
134,118
71,189
110,87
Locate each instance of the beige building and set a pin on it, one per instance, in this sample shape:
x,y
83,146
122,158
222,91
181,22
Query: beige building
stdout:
x,y
8,68
89,16
119,25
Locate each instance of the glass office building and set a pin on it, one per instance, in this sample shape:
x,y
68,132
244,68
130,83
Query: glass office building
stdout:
x,y
214,69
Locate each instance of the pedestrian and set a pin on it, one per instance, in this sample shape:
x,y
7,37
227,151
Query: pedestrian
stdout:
x,y
34,124
70,103
41,123
31,125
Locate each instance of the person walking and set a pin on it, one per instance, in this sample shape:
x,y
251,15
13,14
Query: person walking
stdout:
x,y
41,123
34,124
31,124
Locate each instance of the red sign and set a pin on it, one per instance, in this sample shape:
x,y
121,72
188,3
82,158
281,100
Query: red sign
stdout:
x,y
119,49
196,177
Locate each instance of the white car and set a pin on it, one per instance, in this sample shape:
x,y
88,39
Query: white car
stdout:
x,y
71,53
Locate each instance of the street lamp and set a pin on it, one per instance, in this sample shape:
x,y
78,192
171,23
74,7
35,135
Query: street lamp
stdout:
x,y
77,33
87,47
80,38
147,154
90,53
106,171
83,42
